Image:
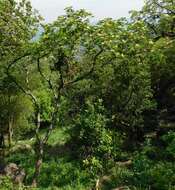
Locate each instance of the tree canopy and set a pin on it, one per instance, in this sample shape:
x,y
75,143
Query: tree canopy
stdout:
x,y
87,106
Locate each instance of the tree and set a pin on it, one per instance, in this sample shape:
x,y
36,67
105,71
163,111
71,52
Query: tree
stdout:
x,y
159,17
123,74
18,25
61,68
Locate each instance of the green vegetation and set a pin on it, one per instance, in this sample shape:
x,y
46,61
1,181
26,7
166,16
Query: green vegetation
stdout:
x,y
87,106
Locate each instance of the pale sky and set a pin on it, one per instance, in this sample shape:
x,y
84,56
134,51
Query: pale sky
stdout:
x,y
51,9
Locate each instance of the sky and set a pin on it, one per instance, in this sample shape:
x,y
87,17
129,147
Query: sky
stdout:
x,y
51,9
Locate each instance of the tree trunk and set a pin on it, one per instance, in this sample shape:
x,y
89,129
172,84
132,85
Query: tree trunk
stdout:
x,y
10,131
2,142
38,151
38,163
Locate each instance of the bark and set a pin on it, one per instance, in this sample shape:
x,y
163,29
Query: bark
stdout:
x,y
38,163
2,143
2,151
10,131
39,150
97,185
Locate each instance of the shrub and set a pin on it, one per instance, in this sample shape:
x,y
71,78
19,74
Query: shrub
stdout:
x,y
6,183
169,140
91,138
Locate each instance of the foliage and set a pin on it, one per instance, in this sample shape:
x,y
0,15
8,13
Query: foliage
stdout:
x,y
6,183
96,100
93,141
169,139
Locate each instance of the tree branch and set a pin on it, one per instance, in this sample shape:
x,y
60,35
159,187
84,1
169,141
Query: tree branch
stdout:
x,y
25,91
163,7
87,73
43,75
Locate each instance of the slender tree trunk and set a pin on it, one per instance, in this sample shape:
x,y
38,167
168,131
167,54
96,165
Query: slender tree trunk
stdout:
x,y
10,131
39,160
38,151
2,153
2,140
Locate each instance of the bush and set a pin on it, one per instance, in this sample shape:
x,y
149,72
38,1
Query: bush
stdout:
x,y
91,138
6,183
169,140
151,174
26,161
62,174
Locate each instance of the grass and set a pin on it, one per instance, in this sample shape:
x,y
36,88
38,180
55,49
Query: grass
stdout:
x,y
58,136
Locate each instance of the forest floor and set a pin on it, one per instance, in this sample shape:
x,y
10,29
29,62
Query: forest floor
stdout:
x,y
59,170
149,167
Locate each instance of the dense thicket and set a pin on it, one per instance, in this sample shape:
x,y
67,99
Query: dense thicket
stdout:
x,y
87,106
